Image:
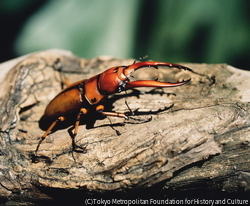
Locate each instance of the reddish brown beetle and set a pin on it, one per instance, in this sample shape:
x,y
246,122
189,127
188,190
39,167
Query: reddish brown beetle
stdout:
x,y
87,95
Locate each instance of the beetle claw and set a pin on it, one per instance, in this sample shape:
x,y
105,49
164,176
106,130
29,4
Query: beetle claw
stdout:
x,y
152,83
127,72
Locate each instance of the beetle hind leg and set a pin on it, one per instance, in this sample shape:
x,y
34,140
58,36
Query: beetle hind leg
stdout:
x,y
59,119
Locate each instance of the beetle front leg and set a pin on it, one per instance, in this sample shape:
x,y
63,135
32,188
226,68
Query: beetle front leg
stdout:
x,y
100,109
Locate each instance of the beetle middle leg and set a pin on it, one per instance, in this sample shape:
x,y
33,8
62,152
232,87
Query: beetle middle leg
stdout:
x,y
76,126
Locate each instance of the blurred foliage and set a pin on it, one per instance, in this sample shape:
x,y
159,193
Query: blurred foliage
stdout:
x,y
13,15
198,31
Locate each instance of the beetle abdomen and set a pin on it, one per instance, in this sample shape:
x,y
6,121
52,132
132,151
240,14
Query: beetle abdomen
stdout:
x,y
67,101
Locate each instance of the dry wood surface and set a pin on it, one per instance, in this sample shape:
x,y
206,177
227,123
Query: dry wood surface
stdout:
x,y
191,137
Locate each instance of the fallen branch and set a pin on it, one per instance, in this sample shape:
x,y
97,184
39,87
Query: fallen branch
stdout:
x,y
198,134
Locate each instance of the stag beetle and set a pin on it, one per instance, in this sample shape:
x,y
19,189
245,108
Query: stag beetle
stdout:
x,y
87,95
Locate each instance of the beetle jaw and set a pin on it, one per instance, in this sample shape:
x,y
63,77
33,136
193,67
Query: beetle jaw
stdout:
x,y
116,79
128,71
152,83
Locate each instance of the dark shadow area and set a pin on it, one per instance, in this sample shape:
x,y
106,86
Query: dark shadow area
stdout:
x,y
155,195
11,24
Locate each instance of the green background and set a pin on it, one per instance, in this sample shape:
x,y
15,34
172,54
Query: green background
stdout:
x,y
198,31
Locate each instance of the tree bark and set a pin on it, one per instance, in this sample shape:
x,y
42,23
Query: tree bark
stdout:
x,y
187,138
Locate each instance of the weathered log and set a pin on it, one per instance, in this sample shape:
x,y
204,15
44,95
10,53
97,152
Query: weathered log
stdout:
x,y
198,135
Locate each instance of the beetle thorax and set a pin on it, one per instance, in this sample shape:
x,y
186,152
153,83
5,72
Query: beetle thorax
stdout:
x,y
111,82
92,93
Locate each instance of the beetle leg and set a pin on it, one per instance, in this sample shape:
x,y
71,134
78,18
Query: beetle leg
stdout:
x,y
59,119
82,111
100,108
78,118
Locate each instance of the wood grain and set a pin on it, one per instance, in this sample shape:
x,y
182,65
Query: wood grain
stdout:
x,y
188,136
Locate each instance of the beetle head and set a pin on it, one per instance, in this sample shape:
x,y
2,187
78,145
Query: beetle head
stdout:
x,y
116,79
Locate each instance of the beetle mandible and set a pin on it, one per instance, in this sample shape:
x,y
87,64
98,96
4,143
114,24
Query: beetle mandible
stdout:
x,y
87,95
